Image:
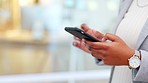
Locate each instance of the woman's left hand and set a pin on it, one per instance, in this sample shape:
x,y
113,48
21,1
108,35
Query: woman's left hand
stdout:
x,y
114,53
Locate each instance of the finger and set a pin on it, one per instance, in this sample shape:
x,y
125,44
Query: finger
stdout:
x,y
97,56
111,37
102,52
76,38
99,52
97,45
85,27
104,39
81,45
98,35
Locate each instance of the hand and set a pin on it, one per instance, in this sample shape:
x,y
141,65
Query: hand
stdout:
x,y
115,52
81,43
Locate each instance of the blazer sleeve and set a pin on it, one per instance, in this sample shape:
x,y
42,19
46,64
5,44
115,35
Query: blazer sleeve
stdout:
x,y
141,74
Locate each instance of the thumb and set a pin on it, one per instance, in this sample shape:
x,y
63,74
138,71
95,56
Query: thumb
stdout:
x,y
111,37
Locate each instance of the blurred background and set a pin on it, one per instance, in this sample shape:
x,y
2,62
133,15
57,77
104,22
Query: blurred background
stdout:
x,y
34,48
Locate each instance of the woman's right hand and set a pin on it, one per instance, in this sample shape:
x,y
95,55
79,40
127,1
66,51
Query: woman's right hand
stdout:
x,y
81,43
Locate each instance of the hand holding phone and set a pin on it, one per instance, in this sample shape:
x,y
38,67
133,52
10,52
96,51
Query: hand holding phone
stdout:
x,y
81,35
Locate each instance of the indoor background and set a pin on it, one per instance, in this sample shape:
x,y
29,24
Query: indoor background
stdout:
x,y
34,48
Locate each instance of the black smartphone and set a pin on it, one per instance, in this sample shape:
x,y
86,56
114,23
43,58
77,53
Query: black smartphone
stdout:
x,y
80,34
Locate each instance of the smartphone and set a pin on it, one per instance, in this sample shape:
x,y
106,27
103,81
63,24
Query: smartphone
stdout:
x,y
80,34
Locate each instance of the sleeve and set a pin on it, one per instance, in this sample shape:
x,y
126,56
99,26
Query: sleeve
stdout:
x,y
141,74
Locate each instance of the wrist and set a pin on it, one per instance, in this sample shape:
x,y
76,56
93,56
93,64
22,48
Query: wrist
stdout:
x,y
130,54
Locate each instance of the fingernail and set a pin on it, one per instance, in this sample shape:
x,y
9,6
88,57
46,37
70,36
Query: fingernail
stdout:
x,y
74,43
83,40
83,24
103,39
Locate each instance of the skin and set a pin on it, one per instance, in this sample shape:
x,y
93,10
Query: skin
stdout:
x,y
116,52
